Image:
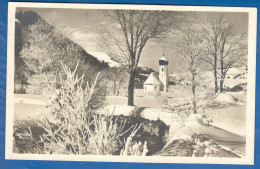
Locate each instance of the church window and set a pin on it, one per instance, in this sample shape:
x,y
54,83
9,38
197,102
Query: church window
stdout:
x,y
162,69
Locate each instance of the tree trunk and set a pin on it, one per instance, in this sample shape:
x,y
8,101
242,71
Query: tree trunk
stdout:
x,y
216,81
114,87
193,88
22,87
221,85
222,77
131,86
215,69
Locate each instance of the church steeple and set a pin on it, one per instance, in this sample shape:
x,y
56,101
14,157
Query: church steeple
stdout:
x,y
163,71
163,51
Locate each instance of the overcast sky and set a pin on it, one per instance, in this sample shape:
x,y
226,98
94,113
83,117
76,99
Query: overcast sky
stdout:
x,y
84,27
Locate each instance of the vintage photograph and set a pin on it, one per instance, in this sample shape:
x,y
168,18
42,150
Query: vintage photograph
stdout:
x,y
131,83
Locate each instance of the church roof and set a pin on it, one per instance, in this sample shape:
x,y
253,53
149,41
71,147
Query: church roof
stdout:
x,y
163,61
153,79
163,58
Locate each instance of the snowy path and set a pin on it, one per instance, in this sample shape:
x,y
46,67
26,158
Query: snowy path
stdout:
x,y
27,106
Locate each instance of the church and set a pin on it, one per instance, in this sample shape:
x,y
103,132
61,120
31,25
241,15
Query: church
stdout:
x,y
158,81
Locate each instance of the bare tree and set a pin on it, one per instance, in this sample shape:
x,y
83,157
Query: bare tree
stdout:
x,y
211,34
224,44
190,50
129,35
233,48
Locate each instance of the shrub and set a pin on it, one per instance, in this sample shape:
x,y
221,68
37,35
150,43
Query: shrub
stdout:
x,y
71,127
236,88
104,135
134,148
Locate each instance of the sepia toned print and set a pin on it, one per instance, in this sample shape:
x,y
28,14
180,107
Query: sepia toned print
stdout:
x,y
131,83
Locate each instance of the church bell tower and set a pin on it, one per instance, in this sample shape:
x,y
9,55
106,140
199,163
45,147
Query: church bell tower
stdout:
x,y
163,72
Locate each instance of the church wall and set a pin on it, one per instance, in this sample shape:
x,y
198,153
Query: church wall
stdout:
x,y
151,88
148,88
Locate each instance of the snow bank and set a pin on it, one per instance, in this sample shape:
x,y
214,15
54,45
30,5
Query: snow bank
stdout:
x,y
124,110
226,99
195,125
27,100
195,120
170,119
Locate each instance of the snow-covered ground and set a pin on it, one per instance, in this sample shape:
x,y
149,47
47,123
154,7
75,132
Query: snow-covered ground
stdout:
x,y
31,99
190,139
29,106
228,112
24,111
